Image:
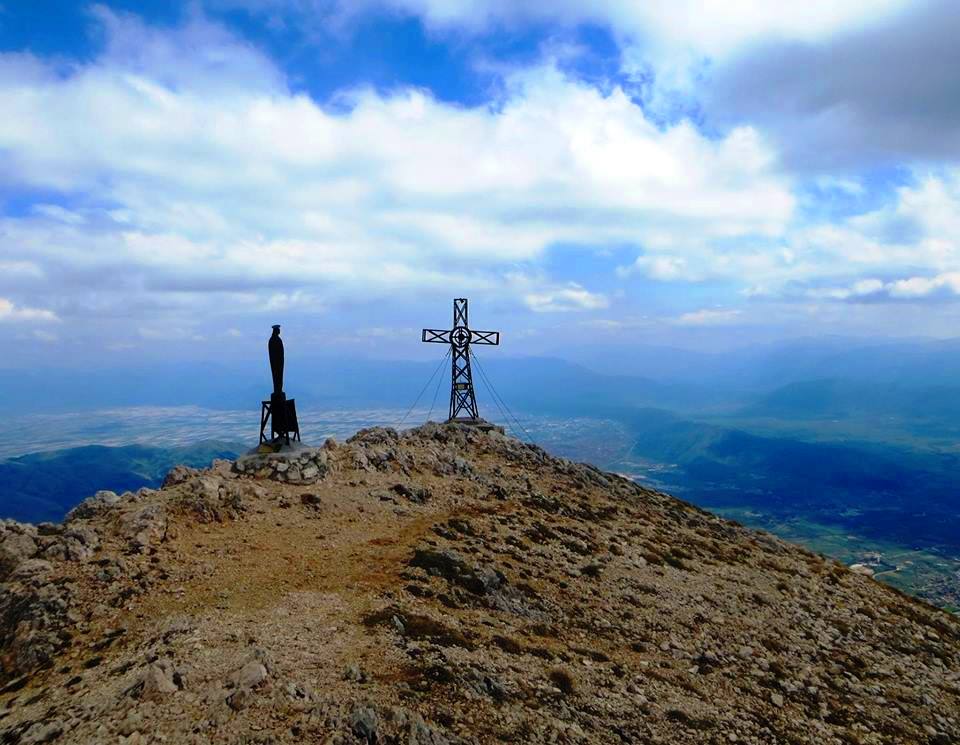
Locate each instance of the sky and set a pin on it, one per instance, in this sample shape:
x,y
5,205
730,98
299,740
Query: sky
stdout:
x,y
176,177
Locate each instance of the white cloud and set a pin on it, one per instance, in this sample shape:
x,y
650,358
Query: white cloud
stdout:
x,y
707,26
20,269
676,39
682,259
918,235
666,268
56,212
219,179
208,187
907,288
719,26
837,102
908,248
563,299
708,317
860,289
915,287
12,313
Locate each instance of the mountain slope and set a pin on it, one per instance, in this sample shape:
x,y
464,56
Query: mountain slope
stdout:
x,y
448,586
44,486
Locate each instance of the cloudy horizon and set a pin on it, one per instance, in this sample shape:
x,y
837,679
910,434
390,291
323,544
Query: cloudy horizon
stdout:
x,y
178,176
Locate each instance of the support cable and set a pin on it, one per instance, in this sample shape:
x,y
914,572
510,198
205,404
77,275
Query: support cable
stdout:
x,y
436,393
422,390
506,418
498,399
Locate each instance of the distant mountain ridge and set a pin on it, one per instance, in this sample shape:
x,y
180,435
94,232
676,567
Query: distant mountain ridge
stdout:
x,y
757,367
837,397
922,373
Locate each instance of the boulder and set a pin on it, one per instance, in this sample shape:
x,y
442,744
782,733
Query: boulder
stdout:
x,y
251,675
34,622
416,494
80,542
365,724
31,570
14,549
178,475
145,526
454,568
43,732
157,682
92,506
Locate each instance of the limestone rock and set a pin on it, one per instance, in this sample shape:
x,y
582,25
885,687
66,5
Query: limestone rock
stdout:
x,y
158,681
250,675
145,526
100,502
14,549
43,732
78,543
365,724
179,475
31,570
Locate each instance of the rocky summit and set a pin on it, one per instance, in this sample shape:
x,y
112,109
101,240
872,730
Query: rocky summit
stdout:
x,y
447,585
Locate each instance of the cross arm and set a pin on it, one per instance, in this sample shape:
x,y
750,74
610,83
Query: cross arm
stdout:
x,y
436,336
491,338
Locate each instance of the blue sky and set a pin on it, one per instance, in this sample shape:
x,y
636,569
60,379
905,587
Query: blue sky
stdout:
x,y
176,177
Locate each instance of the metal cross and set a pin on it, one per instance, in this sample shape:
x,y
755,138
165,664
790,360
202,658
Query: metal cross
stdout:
x,y
463,401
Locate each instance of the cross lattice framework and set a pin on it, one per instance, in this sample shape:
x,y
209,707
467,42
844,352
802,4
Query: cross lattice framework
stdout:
x,y
463,400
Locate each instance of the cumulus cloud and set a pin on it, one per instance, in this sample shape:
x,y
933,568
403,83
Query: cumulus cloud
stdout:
x,y
563,299
186,165
183,177
944,286
916,234
840,84
881,93
906,248
863,288
709,317
712,27
11,313
915,287
666,45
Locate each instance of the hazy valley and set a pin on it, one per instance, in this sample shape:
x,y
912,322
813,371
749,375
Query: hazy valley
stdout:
x,y
850,451
862,471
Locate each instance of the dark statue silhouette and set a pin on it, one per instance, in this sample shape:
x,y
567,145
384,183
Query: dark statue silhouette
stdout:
x,y
280,412
275,348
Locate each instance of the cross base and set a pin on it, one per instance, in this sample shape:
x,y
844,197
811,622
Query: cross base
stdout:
x,y
482,424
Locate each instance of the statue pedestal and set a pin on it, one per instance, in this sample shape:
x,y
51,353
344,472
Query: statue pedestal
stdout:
x,y
282,415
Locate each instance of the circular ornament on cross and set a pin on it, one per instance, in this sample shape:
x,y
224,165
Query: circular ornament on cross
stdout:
x,y
460,336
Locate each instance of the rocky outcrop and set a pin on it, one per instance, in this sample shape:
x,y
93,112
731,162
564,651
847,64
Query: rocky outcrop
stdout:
x,y
444,586
17,544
